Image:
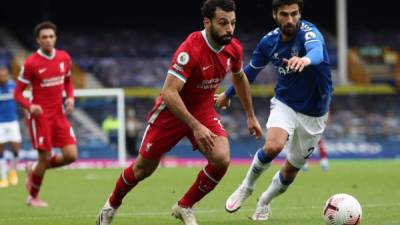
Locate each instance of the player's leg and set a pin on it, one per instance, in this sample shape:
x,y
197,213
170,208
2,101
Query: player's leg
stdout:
x,y
211,174
63,137
35,173
15,141
12,174
3,168
207,179
280,125
69,153
156,141
280,183
129,178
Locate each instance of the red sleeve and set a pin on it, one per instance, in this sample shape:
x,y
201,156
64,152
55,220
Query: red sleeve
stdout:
x,y
24,79
18,95
68,82
182,62
237,63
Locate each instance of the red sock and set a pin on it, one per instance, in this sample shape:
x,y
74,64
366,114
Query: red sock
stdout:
x,y
125,183
206,181
34,186
322,150
53,162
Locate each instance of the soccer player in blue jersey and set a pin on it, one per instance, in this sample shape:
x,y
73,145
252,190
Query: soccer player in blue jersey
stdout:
x,y
299,109
9,129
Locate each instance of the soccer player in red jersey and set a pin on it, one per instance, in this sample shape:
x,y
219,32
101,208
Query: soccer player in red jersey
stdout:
x,y
185,108
48,72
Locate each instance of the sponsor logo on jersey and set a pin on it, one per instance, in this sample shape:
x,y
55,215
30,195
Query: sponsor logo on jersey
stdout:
x,y
183,58
62,67
209,84
42,70
206,67
54,81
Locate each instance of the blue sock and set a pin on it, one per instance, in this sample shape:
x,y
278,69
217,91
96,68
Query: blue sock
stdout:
x,y
283,181
262,157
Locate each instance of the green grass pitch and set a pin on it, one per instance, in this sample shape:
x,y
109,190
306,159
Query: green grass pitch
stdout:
x,y
75,196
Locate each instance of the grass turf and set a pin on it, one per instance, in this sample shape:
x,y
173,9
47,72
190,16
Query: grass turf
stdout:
x,y
75,196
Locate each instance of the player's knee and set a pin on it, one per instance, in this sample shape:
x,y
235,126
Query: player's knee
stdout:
x,y
273,148
70,157
142,172
221,162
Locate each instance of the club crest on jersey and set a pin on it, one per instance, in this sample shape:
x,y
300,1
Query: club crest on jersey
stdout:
x,y
228,64
183,58
62,67
294,51
310,35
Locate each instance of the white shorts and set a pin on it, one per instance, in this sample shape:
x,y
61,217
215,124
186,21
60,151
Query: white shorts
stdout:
x,y
9,132
304,131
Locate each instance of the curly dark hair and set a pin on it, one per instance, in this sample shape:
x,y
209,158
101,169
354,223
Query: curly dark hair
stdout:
x,y
278,3
44,25
210,6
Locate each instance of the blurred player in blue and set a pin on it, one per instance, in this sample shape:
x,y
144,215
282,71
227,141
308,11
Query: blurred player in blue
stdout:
x,y
9,129
299,109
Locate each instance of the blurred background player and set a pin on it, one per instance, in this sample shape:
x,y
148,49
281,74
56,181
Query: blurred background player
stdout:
x,y
48,72
9,129
185,108
299,109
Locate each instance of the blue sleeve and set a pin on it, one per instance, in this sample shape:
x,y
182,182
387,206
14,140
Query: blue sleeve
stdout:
x,y
251,74
257,62
315,52
313,42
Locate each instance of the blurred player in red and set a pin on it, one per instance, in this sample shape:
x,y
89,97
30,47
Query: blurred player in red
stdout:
x,y
48,72
185,108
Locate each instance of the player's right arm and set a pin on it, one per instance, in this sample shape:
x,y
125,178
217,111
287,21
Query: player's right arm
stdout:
x,y
174,102
24,79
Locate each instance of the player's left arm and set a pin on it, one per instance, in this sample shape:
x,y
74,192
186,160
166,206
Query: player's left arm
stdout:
x,y
242,87
69,90
314,53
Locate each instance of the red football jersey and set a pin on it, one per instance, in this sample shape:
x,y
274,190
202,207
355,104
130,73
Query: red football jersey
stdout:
x,y
46,74
202,68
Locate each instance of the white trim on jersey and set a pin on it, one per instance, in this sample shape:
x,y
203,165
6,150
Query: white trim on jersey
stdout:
x,y
144,135
34,133
49,57
203,33
256,67
177,75
310,41
160,108
23,80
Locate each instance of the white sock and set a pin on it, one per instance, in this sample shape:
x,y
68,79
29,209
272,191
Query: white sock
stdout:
x,y
275,189
3,169
254,172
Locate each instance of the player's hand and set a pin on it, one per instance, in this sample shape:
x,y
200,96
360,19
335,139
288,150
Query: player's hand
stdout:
x,y
296,63
204,137
69,105
221,101
254,127
35,110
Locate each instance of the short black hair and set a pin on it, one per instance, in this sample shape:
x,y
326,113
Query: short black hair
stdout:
x,y
210,6
278,3
44,25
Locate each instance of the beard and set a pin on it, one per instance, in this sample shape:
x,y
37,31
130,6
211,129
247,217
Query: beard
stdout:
x,y
221,40
288,29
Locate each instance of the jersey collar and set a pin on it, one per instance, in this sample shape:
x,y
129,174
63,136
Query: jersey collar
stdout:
x,y
203,33
49,57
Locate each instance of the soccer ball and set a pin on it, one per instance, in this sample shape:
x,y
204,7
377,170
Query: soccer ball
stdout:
x,y
342,209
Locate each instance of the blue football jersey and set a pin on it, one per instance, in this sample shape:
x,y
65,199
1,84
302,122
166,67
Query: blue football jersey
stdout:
x,y
8,107
308,92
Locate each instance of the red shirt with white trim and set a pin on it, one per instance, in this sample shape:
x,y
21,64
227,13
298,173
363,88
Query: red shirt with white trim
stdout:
x,y
47,75
202,68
